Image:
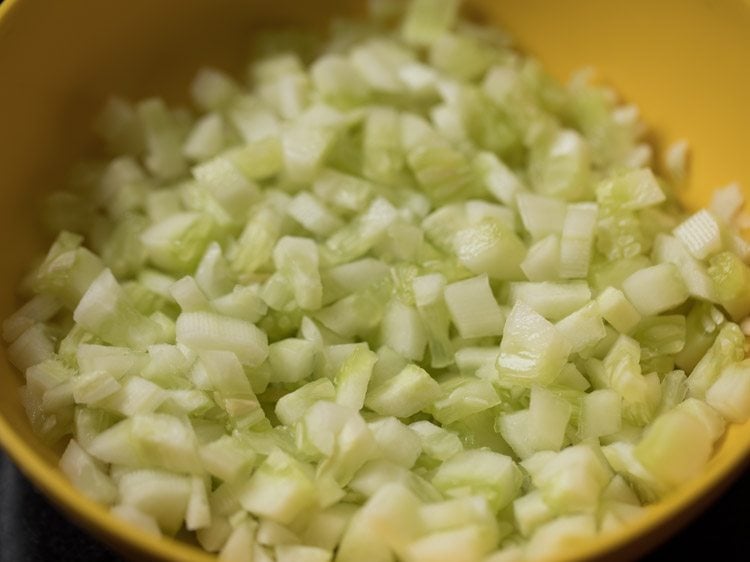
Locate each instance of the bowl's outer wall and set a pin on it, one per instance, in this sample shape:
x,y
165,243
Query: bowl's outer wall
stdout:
x,y
686,63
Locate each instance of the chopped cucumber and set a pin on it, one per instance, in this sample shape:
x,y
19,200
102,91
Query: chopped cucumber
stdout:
x,y
399,296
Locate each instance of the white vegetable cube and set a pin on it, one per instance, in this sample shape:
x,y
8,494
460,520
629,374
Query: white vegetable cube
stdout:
x,y
576,244
541,215
377,61
573,479
327,526
554,301
240,544
163,495
360,543
564,534
458,512
477,210
463,397
359,236
225,372
291,360
549,416
397,442
198,515
292,407
410,391
600,414
530,511
542,262
670,249
583,328
340,434
484,472
622,373
227,184
559,165
532,351
259,159
166,441
618,310
571,378
392,515
304,149
297,259
136,396
39,309
466,544
501,81
426,20
188,295
270,533
163,136
498,179
490,247
675,448
470,359
307,210
336,77
177,242
206,138
655,289
701,234
709,418
730,394
137,518
212,89
460,56
209,331
301,553
383,153
280,489
106,311
428,295
632,190
353,378
726,202
343,191
86,474
473,308
421,79
436,441
731,280
402,330
226,458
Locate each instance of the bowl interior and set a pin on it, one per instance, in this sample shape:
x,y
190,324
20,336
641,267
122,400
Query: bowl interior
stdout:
x,y
684,64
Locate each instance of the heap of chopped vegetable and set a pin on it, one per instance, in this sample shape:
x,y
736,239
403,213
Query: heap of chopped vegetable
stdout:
x,y
410,300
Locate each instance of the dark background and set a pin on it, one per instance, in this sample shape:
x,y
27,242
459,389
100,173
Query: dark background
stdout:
x,y
33,531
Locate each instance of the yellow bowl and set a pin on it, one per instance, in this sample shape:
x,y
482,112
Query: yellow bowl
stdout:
x,y
684,62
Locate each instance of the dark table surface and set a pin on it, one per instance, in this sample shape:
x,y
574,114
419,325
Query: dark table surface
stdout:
x,y
33,531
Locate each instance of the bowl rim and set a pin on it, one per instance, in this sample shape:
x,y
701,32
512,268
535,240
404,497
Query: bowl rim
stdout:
x,y
658,522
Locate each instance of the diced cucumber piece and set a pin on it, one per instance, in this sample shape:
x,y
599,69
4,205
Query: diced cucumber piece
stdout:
x,y
405,394
279,489
554,301
655,289
490,474
532,351
675,448
473,308
730,394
